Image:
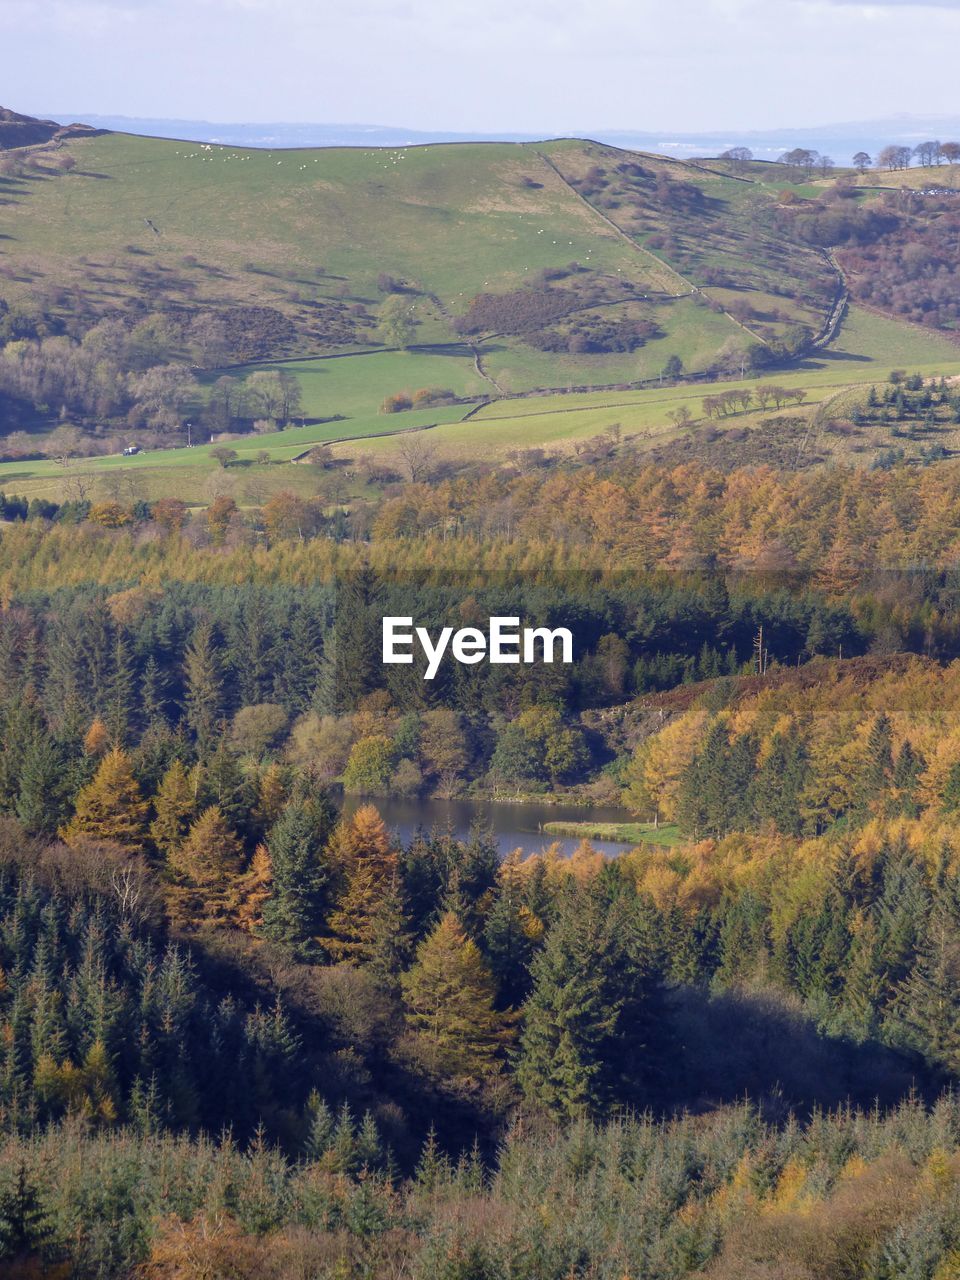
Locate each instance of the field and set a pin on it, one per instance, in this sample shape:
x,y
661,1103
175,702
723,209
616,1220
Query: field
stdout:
x,y
634,833
188,229
357,385
869,348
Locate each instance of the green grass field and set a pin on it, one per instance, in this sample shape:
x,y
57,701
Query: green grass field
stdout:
x,y
454,220
869,347
357,385
632,833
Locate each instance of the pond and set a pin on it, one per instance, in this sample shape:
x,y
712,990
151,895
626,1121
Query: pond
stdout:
x,y
513,825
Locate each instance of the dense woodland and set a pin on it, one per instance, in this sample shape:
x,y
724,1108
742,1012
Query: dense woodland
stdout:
x,y
241,1032
246,1031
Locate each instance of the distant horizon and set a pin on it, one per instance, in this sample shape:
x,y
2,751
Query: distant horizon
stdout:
x,y
509,65
900,117
839,140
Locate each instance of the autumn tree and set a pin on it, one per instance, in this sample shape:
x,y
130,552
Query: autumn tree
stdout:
x,y
174,806
110,807
448,998
210,855
368,864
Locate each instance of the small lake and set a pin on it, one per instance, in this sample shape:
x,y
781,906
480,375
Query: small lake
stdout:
x,y
513,825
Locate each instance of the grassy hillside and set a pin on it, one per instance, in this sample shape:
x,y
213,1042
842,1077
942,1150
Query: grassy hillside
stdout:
x,y
520,267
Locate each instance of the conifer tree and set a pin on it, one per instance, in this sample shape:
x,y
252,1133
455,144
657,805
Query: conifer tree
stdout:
x,y
293,915
221,780
273,788
110,807
154,693
211,854
204,685
363,838
254,888
353,926
950,802
780,782
25,1226
448,998
510,936
96,741
877,772
351,658
863,982
361,852
906,777
174,805
589,1033
41,800
389,937
925,1012
120,693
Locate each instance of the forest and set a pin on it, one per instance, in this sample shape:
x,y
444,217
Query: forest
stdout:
x,y
247,1029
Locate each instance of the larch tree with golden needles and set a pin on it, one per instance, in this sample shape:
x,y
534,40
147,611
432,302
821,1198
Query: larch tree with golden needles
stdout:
x,y
110,806
96,741
174,805
448,998
211,856
254,888
362,848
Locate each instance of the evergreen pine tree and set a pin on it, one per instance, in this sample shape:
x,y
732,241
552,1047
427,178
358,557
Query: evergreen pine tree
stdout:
x,y
925,1012
779,783
587,1042
876,773
42,799
906,777
204,685
351,664
25,1226
120,697
293,915
951,791
510,936
154,692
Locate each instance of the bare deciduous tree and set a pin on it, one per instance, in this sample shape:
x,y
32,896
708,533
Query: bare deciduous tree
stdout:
x,y
419,457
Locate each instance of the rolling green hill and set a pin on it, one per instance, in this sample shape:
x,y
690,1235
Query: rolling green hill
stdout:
x,y
500,275
184,227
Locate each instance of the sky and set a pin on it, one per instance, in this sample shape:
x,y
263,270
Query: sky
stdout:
x,y
547,66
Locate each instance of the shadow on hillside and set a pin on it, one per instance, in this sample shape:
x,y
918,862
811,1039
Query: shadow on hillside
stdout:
x,y
458,349
757,1044
833,357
